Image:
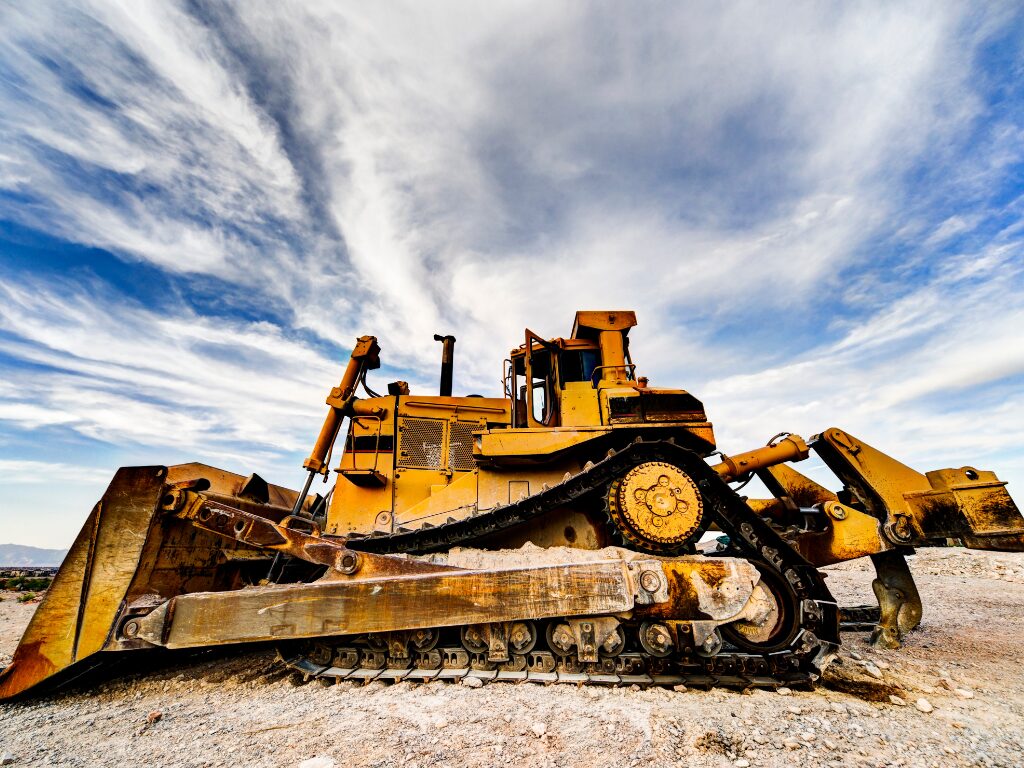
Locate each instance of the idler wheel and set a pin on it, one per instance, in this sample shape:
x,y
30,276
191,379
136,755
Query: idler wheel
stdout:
x,y
424,640
656,506
473,639
656,639
522,637
775,618
614,644
560,638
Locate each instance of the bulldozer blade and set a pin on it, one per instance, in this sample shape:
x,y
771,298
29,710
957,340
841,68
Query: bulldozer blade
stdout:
x,y
75,618
128,555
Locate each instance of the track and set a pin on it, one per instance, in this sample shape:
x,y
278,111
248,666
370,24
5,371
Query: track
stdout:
x,y
798,660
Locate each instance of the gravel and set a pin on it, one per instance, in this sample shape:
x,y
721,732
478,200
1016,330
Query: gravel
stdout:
x,y
246,710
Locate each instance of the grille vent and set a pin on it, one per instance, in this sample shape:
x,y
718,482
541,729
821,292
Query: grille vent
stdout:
x,y
422,444
460,445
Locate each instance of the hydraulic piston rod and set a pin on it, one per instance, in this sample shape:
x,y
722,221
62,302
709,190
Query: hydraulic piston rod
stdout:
x,y
785,448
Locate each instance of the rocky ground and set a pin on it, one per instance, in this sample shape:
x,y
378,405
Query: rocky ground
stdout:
x,y
953,696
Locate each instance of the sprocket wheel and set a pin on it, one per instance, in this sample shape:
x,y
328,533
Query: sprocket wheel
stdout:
x,y
656,506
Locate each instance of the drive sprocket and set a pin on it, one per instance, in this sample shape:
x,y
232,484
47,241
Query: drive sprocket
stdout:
x,y
656,506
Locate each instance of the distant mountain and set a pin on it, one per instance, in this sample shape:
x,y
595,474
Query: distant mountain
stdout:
x,y
20,555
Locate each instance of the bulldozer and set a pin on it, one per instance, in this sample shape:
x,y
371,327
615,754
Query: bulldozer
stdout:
x,y
581,528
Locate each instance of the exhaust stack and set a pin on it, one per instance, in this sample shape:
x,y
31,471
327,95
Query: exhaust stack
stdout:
x,y
447,362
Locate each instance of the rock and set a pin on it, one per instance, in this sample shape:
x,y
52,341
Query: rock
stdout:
x,y
473,682
838,707
322,761
881,664
965,693
872,670
926,689
898,701
742,763
792,744
154,717
679,688
947,683
7,759
795,710
539,729
855,656
923,704
783,691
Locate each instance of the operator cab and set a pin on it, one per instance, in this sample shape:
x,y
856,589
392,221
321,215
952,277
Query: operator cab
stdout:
x,y
554,383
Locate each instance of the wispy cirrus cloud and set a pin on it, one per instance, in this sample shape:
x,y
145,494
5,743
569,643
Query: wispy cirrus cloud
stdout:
x,y
815,210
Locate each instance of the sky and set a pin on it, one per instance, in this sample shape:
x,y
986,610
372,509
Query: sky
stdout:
x,y
814,208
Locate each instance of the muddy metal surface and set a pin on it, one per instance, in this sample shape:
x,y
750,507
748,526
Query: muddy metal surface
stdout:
x,y
962,666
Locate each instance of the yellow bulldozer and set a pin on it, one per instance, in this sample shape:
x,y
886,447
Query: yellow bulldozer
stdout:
x,y
582,528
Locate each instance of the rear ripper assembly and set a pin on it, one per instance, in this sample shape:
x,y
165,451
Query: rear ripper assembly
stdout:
x,y
581,528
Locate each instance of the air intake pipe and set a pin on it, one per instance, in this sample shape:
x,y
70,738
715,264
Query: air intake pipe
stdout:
x,y
447,362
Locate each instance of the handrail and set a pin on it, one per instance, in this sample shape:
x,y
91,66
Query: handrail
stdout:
x,y
376,450
456,408
630,366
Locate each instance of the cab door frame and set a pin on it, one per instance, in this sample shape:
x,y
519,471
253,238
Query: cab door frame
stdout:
x,y
550,382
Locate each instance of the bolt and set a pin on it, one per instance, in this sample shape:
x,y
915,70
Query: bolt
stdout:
x,y
131,628
711,646
656,637
650,581
836,511
349,563
563,638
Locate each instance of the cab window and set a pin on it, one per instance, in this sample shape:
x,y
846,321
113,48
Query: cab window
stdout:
x,y
578,365
541,384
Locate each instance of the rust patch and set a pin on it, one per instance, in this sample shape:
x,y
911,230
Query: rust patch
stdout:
x,y
942,516
27,667
805,494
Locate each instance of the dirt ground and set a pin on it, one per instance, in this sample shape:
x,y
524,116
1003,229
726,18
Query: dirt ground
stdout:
x,y
963,664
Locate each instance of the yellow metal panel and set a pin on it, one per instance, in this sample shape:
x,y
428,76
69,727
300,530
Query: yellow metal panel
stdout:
x,y
456,499
849,534
534,443
579,405
494,488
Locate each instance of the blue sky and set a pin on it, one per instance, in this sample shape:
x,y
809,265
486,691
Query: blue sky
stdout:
x,y
814,208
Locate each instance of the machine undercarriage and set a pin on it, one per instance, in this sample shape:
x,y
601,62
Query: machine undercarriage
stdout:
x,y
581,529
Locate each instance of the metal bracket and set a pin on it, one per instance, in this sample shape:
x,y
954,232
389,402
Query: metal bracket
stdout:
x,y
649,583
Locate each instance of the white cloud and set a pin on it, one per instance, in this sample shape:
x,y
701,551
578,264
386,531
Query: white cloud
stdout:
x,y
906,379
405,169
13,472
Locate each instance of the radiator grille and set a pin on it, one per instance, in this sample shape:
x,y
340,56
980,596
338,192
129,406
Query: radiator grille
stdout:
x,y
460,445
421,444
